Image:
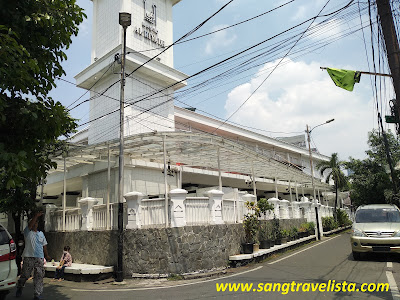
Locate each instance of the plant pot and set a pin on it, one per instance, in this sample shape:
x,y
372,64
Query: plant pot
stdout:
x,y
247,248
256,247
278,241
271,243
285,240
265,244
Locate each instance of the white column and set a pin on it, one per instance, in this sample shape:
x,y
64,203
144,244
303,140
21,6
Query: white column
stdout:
x,y
276,187
275,203
284,209
307,210
297,193
296,210
87,212
134,204
290,191
178,211
215,206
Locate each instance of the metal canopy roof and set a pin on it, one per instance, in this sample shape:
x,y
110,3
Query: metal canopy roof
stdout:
x,y
189,149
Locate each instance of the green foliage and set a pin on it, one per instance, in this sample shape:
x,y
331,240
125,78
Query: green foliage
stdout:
x,y
334,167
33,37
251,223
284,233
343,218
264,205
310,227
370,178
293,231
276,229
265,231
303,227
329,223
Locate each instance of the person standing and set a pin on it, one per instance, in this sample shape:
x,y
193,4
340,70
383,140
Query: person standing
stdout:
x,y
34,253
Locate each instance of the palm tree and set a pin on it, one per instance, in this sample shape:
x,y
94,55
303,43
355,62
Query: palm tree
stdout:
x,y
335,173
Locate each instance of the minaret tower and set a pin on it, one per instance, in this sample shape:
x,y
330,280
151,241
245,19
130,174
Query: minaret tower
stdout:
x,y
150,33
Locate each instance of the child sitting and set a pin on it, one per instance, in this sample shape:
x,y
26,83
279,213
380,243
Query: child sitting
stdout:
x,y
65,261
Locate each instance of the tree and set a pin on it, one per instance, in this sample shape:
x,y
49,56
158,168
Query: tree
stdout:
x,y
370,178
334,167
33,37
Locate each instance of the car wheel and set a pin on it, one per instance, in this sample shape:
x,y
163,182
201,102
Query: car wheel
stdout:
x,y
356,255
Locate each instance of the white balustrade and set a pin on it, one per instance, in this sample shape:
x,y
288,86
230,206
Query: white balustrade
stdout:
x,y
197,211
183,210
73,219
100,217
152,213
229,210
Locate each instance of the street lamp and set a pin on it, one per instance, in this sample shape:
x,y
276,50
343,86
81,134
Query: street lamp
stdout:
x,y
125,22
310,154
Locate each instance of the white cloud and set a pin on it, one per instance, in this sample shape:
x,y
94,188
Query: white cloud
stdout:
x,y
297,94
221,39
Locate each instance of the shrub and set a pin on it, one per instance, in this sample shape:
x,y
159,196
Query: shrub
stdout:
x,y
251,223
343,218
329,223
264,206
293,232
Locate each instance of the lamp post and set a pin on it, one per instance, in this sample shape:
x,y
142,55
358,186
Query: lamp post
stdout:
x,y
125,22
310,153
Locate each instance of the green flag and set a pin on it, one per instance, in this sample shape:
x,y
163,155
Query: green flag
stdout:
x,y
344,78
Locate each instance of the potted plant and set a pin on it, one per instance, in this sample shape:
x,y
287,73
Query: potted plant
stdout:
x,y
251,226
285,236
276,231
311,228
264,235
264,206
303,230
293,233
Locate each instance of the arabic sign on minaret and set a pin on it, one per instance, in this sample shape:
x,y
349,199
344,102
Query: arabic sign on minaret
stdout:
x,y
149,26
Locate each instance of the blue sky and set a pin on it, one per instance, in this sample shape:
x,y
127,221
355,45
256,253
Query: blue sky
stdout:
x,y
294,94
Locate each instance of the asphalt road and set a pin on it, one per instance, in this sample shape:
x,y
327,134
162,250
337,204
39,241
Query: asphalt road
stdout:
x,y
328,261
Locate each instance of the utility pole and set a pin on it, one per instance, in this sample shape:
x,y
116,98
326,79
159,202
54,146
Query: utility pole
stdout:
x,y
124,21
393,57
392,47
311,163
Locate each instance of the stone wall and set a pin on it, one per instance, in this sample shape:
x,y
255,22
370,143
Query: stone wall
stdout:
x,y
153,251
157,250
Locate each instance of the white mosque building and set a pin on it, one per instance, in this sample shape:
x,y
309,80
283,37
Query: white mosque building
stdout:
x,y
197,153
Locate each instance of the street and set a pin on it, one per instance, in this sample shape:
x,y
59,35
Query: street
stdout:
x,y
328,261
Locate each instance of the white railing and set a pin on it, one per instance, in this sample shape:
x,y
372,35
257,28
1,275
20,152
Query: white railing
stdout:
x,y
147,213
100,217
153,212
73,220
197,210
229,210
